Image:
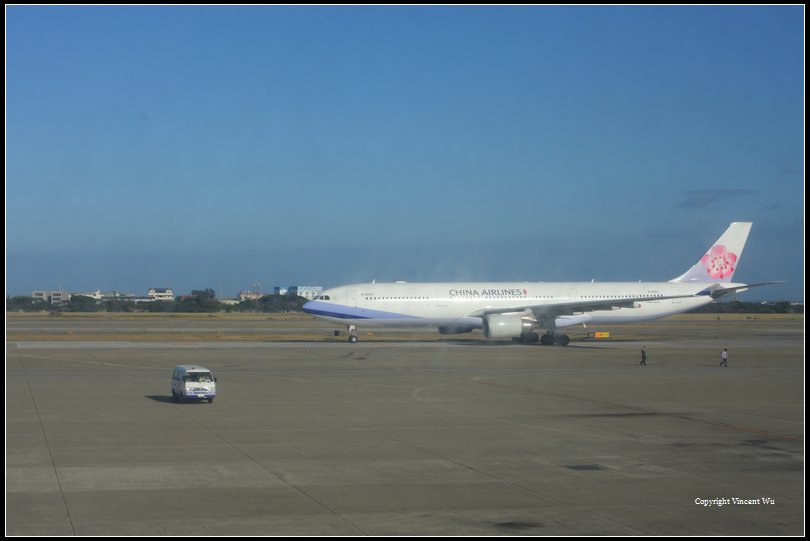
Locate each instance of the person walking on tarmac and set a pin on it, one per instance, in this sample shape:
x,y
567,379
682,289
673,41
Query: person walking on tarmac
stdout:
x,y
644,356
724,357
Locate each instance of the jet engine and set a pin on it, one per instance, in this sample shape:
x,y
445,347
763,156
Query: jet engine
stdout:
x,y
506,326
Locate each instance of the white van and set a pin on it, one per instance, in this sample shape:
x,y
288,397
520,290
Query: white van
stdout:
x,y
193,382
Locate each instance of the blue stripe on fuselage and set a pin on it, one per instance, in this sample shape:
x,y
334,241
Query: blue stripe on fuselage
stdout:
x,y
341,311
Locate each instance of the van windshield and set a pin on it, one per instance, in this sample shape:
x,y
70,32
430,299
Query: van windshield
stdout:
x,y
199,377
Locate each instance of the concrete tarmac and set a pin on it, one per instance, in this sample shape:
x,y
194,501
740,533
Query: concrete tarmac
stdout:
x,y
411,438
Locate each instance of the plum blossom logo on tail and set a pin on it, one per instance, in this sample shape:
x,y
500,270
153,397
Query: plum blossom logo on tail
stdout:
x,y
719,262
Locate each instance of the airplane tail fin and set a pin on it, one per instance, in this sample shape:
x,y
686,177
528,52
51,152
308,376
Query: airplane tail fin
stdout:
x,y
721,260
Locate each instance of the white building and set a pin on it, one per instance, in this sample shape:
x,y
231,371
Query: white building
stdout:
x,y
251,295
308,292
160,294
52,297
117,296
92,294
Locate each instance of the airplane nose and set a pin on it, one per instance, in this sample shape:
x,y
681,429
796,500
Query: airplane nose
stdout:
x,y
308,307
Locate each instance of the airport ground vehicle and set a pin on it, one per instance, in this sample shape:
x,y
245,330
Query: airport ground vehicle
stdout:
x,y
192,382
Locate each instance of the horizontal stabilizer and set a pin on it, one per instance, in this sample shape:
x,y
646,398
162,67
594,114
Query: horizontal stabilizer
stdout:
x,y
718,291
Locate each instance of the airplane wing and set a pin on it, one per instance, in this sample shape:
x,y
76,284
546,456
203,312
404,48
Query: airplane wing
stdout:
x,y
568,308
571,308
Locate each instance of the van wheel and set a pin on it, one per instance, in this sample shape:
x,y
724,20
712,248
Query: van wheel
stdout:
x,y
175,397
210,400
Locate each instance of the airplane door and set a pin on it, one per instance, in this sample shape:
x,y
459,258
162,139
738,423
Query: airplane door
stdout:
x,y
572,295
441,298
674,291
351,297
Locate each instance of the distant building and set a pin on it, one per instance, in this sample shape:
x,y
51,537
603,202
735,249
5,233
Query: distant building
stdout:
x,y
308,292
160,294
58,297
117,296
92,294
250,295
51,297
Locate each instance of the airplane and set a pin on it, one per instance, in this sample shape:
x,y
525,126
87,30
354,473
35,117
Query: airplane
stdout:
x,y
515,310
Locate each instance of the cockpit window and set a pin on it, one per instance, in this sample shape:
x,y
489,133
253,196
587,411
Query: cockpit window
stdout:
x,y
324,298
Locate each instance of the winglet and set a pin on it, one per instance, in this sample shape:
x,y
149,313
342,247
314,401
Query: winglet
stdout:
x,y
722,259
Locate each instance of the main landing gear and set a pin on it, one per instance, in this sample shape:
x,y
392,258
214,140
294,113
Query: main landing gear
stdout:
x,y
548,339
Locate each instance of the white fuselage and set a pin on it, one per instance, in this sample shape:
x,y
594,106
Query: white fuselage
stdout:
x,y
514,309
464,304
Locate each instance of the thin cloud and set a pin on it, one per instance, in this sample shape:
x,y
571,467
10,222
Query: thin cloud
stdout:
x,y
788,171
698,199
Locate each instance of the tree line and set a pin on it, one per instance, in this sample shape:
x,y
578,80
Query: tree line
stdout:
x,y
740,307
200,300
204,300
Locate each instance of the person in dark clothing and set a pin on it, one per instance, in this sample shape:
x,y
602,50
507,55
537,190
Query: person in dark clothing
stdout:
x,y
644,356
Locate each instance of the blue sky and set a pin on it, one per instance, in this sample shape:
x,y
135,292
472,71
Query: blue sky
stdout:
x,y
193,147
